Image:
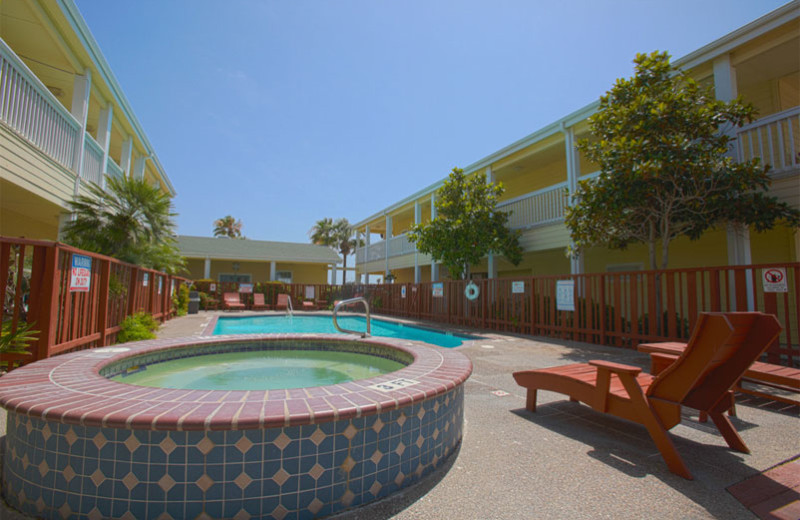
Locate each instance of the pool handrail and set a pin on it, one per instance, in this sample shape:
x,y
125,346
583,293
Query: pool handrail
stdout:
x,y
344,303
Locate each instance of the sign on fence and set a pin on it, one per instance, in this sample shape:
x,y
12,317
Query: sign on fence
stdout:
x,y
145,279
160,284
517,287
246,288
309,292
438,290
81,273
403,291
774,279
565,295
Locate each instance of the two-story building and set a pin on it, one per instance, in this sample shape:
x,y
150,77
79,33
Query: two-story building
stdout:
x,y
759,61
64,120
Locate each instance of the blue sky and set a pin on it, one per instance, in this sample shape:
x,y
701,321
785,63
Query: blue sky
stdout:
x,y
283,113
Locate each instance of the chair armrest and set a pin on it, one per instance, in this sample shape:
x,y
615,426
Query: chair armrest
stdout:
x,y
616,367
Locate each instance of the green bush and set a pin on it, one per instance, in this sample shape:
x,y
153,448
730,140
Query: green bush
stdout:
x,y
137,327
181,300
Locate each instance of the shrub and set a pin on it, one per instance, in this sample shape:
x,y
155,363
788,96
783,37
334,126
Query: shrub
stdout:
x,y
181,300
137,327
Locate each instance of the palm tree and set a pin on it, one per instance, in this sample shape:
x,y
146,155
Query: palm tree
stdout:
x,y
228,227
338,235
129,220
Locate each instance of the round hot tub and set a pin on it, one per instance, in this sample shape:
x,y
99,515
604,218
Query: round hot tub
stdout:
x,y
82,445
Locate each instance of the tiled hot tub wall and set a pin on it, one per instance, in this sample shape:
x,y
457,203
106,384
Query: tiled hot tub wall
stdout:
x,y
56,470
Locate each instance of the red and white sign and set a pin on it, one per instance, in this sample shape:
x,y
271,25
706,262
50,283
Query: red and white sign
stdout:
x,y
81,273
774,279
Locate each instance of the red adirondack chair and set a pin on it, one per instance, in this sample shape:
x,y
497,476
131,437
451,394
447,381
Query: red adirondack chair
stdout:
x,y
230,300
722,347
258,302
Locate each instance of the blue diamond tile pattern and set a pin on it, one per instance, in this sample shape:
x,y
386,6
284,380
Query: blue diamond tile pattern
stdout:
x,y
54,471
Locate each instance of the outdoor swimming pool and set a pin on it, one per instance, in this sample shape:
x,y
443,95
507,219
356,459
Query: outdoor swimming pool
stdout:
x,y
324,324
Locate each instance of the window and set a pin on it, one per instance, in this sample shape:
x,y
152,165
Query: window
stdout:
x,y
234,278
283,276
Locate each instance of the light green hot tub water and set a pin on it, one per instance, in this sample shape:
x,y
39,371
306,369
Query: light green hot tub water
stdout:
x,y
260,370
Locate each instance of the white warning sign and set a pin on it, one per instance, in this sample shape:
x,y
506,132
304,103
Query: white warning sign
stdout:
x,y
774,279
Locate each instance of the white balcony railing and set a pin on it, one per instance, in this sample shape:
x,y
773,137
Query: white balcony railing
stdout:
x,y
30,110
113,169
537,208
400,245
92,161
775,139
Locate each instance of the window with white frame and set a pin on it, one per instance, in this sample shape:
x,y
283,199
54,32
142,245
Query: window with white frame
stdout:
x,y
283,276
234,278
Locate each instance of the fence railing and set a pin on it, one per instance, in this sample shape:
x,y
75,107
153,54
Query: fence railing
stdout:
x,y
36,287
537,208
28,108
775,139
621,309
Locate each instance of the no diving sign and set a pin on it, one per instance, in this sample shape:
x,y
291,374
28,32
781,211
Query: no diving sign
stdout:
x,y
774,279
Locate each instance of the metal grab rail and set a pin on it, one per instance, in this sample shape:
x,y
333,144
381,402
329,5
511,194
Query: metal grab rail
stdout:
x,y
344,303
289,309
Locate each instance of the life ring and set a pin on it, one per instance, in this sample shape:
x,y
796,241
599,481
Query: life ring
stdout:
x,y
472,291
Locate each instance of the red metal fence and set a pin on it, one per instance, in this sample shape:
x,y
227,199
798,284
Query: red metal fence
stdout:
x,y
35,279
610,308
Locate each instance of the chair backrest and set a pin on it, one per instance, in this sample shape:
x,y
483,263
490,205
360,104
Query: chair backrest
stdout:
x,y
258,298
283,299
721,349
231,297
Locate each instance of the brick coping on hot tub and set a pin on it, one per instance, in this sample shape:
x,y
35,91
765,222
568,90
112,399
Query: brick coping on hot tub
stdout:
x,y
69,389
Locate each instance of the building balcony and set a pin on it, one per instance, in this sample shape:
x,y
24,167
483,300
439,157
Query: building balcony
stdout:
x,y
31,112
775,139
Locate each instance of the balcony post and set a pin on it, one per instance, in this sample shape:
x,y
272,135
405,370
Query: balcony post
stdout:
x,y
125,158
104,139
386,242
434,265
738,237
207,268
80,110
272,268
576,263
138,167
417,220
490,261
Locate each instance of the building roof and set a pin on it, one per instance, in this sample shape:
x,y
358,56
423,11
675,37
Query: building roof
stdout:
x,y
259,250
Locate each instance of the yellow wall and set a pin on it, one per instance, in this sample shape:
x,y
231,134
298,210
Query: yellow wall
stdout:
x,y
259,271
13,224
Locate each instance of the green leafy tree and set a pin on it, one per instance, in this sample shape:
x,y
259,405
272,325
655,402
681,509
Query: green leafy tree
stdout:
x,y
228,226
467,226
338,235
663,143
129,220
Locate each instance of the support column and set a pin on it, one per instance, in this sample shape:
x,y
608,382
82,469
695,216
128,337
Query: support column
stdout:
x,y
576,263
207,269
417,220
138,167
738,237
434,265
125,159
386,242
272,267
490,260
82,87
104,139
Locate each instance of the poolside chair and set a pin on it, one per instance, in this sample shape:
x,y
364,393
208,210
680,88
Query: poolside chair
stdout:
x,y
230,301
721,348
283,302
258,302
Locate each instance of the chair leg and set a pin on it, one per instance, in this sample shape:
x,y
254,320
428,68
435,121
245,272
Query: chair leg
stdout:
x,y
667,448
728,432
530,401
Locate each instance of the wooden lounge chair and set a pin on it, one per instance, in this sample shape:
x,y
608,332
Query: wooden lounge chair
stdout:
x,y
258,302
721,348
309,306
230,301
283,302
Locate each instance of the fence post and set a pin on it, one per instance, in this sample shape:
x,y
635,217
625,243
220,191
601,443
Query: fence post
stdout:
x,y
102,317
151,299
133,289
43,301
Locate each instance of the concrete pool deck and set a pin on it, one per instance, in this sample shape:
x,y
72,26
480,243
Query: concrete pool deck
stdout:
x,y
567,460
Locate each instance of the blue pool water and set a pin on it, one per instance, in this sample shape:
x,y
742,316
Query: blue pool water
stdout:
x,y
324,324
